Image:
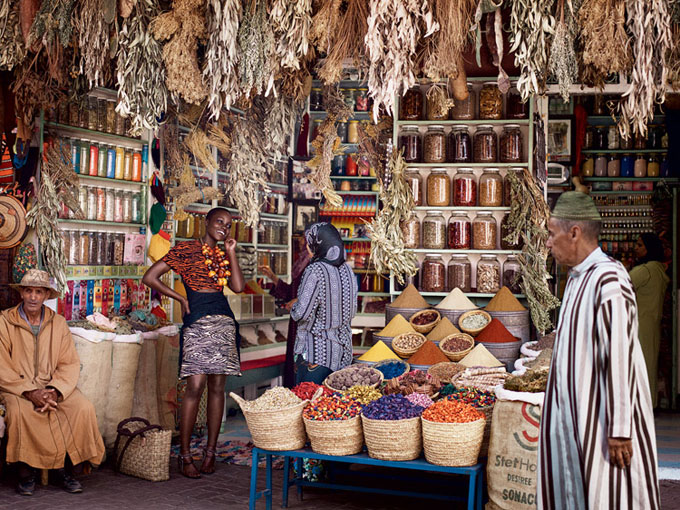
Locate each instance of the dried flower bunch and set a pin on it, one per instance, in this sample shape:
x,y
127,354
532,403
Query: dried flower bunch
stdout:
x,y
673,57
198,145
187,193
93,41
34,89
562,63
291,20
278,119
52,28
183,27
324,23
394,30
257,69
12,48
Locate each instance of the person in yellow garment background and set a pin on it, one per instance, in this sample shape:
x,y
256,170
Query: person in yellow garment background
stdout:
x,y
650,281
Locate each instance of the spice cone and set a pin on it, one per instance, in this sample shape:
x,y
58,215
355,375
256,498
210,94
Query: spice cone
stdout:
x,y
410,298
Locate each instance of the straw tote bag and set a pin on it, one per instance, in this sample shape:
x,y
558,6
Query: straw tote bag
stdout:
x,y
143,450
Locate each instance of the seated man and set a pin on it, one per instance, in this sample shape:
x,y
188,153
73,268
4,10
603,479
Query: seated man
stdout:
x,y
50,424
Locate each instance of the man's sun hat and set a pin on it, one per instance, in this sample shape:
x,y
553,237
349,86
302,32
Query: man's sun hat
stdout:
x,y
37,278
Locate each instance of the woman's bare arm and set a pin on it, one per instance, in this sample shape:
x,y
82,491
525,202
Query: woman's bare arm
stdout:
x,y
152,279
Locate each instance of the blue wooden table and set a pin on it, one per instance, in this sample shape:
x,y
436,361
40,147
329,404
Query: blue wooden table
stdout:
x,y
474,473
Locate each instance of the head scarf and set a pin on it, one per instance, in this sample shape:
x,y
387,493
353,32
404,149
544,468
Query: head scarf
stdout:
x,y
575,206
326,244
655,251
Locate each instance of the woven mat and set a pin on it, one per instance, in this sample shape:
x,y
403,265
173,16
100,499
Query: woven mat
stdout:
x,y
228,452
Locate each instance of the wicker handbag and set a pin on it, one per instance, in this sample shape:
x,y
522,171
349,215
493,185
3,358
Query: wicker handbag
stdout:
x,y
146,452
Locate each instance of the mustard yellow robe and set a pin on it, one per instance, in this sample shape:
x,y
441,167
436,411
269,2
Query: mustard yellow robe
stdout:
x,y
42,440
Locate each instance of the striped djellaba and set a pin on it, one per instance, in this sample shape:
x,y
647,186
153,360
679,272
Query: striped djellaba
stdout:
x,y
597,389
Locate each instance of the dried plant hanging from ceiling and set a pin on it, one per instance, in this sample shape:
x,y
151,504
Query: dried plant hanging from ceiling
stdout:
x,y
291,21
182,27
142,92
388,253
12,48
604,43
52,28
93,41
279,117
169,137
186,192
198,145
648,22
257,68
324,24
297,84
673,57
562,63
345,41
531,27
394,29
222,55
34,89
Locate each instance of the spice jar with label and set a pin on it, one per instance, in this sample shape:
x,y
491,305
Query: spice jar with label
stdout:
x,y
613,137
465,188
653,167
613,166
511,274
415,182
411,106
459,273
434,274
601,165
410,141
511,144
490,102
438,188
507,186
434,145
485,146
434,107
516,108
434,231
410,231
459,231
488,274
640,166
459,148
484,231
490,188
464,109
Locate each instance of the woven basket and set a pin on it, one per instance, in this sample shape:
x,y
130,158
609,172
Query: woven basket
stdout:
x,y
406,353
452,444
457,355
335,437
425,328
393,439
473,332
432,369
488,413
143,450
407,367
374,385
280,429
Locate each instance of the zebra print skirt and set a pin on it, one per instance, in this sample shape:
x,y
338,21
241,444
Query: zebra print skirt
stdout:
x,y
210,347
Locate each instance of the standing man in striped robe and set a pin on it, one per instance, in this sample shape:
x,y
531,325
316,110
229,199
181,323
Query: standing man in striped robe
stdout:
x,y
597,446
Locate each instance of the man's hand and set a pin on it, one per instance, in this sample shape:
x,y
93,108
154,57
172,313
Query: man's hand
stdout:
x,y
620,452
43,400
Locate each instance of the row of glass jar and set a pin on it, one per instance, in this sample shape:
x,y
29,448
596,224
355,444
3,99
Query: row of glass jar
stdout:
x,y
273,232
458,233
441,191
459,147
351,164
627,224
348,131
83,248
108,204
607,137
625,165
277,261
624,212
489,106
355,99
93,114
191,227
622,200
439,277
89,157
624,235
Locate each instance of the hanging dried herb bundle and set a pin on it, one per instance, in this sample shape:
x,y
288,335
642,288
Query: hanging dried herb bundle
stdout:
x,y
52,28
34,89
387,244
169,137
673,57
528,221
605,45
369,145
325,24
140,74
297,84
12,49
446,45
346,42
648,22
257,68
187,193
198,145
291,20
219,137
531,25
222,55
394,29
93,41
278,118
183,27
57,163
562,63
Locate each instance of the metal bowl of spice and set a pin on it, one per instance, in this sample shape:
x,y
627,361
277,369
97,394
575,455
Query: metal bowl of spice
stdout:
x,y
425,320
474,321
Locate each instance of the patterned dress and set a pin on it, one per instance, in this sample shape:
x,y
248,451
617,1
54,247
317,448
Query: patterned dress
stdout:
x,y
327,302
597,389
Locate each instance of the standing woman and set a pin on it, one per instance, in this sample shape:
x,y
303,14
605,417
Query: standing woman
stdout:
x,y
210,338
326,304
650,281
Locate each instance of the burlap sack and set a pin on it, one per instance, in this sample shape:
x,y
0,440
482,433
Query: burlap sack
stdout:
x,y
95,372
167,372
125,359
145,400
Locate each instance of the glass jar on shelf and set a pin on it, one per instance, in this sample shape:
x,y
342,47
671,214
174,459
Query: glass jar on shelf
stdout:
x,y
361,102
600,165
353,131
627,165
459,148
600,140
490,188
110,205
484,231
465,188
640,141
411,105
640,166
119,250
464,109
93,255
118,206
655,134
101,249
111,116
120,125
511,144
507,186
74,248
342,127
485,145
459,273
589,139
488,274
434,231
433,274
438,188
101,115
92,119
316,100
84,157
91,203
127,165
73,114
490,102
505,231
588,167
410,141
599,105
415,182
653,167
127,207
135,199
101,204
613,166
434,145
459,231
82,200
349,96
102,154
613,137
626,143
410,230
516,108
511,274
434,97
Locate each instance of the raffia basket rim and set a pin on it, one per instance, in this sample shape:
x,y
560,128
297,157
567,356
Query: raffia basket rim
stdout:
x,y
239,400
374,385
406,352
442,363
457,355
473,332
425,328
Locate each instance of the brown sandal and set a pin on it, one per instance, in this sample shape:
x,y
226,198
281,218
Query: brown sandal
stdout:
x,y
184,461
208,466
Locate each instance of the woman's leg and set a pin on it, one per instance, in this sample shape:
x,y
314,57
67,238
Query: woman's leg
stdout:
x,y
215,412
187,417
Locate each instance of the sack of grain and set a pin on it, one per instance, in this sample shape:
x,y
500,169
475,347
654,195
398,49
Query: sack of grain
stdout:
x,y
167,374
145,399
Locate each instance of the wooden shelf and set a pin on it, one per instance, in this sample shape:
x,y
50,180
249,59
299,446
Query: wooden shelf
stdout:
x,y
630,179
107,223
467,165
96,135
477,122
624,151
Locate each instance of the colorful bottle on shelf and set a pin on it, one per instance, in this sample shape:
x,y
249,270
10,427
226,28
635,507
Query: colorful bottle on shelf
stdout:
x,y
111,163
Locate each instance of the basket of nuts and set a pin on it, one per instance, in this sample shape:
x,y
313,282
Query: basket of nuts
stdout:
x,y
474,321
425,320
407,344
457,346
344,379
